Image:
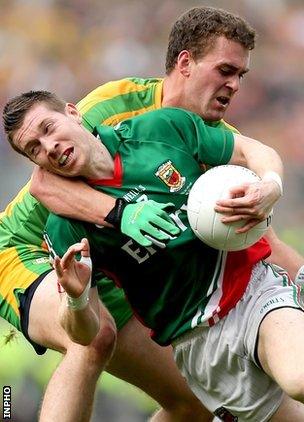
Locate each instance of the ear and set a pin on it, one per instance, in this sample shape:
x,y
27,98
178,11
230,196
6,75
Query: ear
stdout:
x,y
71,110
184,61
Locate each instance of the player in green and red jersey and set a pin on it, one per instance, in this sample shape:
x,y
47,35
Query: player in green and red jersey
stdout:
x,y
148,139
179,289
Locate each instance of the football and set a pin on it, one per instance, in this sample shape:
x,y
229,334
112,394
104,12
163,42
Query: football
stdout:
x,y
206,223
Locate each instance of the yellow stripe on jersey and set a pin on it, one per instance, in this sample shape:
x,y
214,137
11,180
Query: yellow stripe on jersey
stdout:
x,y
114,120
230,127
13,269
112,89
17,200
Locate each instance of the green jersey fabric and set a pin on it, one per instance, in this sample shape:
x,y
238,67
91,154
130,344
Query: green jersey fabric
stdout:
x,y
156,156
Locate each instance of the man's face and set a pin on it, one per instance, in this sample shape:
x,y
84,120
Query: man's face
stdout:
x,y
213,80
55,141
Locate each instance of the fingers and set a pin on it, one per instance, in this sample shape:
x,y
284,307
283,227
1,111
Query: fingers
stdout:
x,y
73,250
57,266
234,218
165,224
169,206
251,223
85,252
155,232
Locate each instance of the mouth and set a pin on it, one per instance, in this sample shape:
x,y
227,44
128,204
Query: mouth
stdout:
x,y
66,157
223,100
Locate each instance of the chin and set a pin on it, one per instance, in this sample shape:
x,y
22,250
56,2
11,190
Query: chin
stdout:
x,y
216,116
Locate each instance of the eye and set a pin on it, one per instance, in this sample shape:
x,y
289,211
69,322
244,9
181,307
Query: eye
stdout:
x,y
48,127
225,72
34,151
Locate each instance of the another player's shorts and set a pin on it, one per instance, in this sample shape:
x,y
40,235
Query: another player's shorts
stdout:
x,y
220,362
20,266
23,268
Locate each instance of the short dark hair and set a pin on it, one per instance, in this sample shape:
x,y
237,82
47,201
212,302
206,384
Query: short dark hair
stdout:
x,y
15,110
196,29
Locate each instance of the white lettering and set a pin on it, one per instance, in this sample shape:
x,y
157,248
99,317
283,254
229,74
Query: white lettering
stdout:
x,y
175,216
140,253
142,197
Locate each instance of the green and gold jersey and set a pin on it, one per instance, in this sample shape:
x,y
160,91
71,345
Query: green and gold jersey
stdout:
x,y
158,156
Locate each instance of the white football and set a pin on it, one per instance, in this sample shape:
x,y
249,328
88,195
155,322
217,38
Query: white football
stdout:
x,y
206,223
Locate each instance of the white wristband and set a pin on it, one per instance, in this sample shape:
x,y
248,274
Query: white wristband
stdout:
x,y
79,303
300,276
272,175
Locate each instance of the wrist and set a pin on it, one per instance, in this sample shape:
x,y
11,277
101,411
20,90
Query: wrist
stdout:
x,y
275,177
115,215
79,303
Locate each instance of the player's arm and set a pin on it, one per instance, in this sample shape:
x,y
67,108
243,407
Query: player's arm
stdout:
x,y
71,198
79,307
283,255
253,202
75,199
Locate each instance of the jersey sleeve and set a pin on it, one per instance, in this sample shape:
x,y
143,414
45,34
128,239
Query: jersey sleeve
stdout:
x,y
116,101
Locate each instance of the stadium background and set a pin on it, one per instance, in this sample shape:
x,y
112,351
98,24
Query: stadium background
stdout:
x,y
72,46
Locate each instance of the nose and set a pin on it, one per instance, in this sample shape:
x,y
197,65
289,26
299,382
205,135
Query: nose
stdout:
x,y
50,146
233,83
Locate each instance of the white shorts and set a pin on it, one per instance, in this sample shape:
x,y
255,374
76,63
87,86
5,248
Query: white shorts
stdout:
x,y
220,363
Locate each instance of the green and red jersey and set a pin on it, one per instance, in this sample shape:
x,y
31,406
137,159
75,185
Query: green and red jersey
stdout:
x,y
158,156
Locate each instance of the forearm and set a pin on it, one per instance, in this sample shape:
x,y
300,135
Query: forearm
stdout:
x,y
81,325
256,156
70,197
283,255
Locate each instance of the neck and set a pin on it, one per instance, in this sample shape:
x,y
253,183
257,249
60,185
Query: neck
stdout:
x,y
173,90
101,165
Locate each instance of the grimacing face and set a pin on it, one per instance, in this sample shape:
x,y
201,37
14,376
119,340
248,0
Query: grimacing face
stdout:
x,y
54,141
212,81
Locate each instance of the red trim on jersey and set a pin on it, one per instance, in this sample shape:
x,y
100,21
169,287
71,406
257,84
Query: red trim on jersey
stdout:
x,y
237,274
116,181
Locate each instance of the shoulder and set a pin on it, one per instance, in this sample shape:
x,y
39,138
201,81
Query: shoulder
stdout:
x,y
114,89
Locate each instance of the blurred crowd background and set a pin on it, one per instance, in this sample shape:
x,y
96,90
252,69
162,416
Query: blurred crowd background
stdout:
x,y
72,46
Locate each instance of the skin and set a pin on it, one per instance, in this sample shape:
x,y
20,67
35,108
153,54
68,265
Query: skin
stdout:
x,y
197,85
39,137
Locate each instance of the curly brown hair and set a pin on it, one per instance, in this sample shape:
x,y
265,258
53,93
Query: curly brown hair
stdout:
x,y
15,110
196,30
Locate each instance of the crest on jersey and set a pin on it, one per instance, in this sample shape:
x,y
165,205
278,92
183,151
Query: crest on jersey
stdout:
x,y
170,176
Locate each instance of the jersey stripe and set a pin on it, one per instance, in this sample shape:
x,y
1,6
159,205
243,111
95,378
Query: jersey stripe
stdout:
x,y
17,200
116,101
